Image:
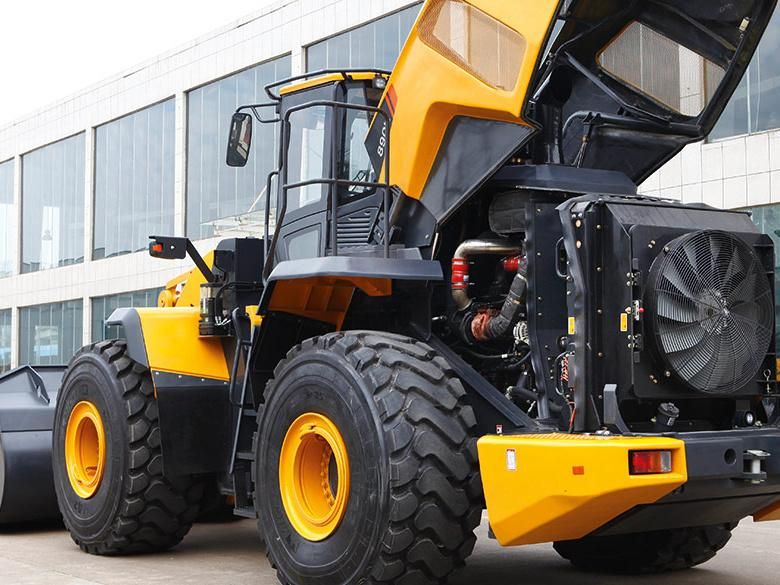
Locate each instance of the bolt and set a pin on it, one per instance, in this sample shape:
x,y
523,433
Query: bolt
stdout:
x,y
578,223
598,268
600,354
668,374
599,311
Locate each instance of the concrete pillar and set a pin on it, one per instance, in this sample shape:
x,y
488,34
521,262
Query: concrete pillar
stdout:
x,y
89,200
180,171
17,252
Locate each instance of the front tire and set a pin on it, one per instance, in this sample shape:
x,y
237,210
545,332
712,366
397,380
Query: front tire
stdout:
x,y
107,460
646,552
395,416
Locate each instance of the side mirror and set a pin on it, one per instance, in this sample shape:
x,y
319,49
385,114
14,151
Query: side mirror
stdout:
x,y
239,140
169,248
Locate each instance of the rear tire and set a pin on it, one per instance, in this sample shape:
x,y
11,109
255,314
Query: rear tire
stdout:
x,y
415,495
134,508
646,552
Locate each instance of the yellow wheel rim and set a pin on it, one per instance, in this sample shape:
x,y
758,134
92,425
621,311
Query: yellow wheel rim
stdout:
x,y
85,449
314,476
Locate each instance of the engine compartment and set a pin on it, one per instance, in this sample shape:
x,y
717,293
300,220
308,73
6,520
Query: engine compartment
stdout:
x,y
553,297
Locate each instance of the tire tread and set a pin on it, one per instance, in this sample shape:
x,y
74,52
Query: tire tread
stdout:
x,y
154,512
435,493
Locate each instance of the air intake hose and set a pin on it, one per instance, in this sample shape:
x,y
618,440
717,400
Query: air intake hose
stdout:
x,y
485,326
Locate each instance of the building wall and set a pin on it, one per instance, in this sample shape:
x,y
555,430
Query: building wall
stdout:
x,y
145,111
32,300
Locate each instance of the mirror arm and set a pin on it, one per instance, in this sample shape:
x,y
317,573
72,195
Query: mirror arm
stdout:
x,y
200,262
254,109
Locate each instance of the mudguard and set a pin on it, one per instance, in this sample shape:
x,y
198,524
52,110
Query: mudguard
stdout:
x,y
27,399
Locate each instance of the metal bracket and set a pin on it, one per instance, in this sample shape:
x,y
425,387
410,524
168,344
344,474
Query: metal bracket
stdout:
x,y
612,417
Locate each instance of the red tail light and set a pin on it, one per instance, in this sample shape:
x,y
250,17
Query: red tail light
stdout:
x,y
649,462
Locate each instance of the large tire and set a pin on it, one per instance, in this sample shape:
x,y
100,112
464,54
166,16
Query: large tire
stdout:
x,y
135,508
646,552
415,494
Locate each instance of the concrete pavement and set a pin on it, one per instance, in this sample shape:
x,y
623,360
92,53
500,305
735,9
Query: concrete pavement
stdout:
x,y
229,554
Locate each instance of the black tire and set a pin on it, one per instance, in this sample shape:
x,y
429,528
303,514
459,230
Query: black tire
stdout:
x,y
415,494
646,552
135,508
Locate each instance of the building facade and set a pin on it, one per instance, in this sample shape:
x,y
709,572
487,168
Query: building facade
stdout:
x,y
85,181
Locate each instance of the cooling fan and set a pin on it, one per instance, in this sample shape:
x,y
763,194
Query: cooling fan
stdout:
x,y
710,311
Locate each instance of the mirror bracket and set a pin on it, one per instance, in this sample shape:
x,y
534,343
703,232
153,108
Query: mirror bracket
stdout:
x,y
175,248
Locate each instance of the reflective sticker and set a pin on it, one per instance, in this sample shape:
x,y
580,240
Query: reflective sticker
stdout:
x,y
571,325
511,460
624,322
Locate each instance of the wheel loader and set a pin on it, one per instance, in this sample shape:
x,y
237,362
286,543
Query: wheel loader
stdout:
x,y
459,303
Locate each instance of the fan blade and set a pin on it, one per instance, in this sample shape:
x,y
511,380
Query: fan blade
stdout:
x,y
681,337
676,308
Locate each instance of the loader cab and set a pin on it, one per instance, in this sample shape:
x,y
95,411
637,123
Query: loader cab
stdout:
x,y
325,170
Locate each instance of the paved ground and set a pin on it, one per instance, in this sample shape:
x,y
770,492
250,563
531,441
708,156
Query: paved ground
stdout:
x,y
229,554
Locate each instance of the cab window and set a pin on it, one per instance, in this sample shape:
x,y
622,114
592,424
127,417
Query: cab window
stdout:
x,y
306,156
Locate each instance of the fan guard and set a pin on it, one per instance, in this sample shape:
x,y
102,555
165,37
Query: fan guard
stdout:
x,y
711,311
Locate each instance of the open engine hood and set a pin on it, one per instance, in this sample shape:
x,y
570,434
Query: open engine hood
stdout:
x,y
627,84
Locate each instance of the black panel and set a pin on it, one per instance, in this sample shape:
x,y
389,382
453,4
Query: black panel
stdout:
x,y
472,150
195,429
131,324
546,292
562,178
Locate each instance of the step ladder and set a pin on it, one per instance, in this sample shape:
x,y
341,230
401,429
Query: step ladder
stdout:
x,y
244,418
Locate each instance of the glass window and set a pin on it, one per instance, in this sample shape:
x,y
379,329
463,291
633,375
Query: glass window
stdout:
x,y
767,219
102,307
50,334
373,45
306,152
662,69
5,340
7,219
53,205
753,107
214,190
134,180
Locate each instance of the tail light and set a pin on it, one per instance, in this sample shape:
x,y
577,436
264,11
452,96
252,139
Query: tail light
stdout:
x,y
649,462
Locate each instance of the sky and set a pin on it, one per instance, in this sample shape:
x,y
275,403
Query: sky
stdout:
x,y
50,49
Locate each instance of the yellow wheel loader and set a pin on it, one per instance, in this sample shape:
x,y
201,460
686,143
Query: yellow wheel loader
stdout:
x,y
459,303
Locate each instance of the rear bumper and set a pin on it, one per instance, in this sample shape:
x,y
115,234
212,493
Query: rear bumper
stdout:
x,y
563,487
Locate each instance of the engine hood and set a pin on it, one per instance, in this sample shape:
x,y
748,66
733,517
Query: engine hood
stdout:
x,y
626,85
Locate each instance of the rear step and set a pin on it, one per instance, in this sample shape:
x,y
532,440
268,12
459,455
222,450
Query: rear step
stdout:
x,y
27,399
